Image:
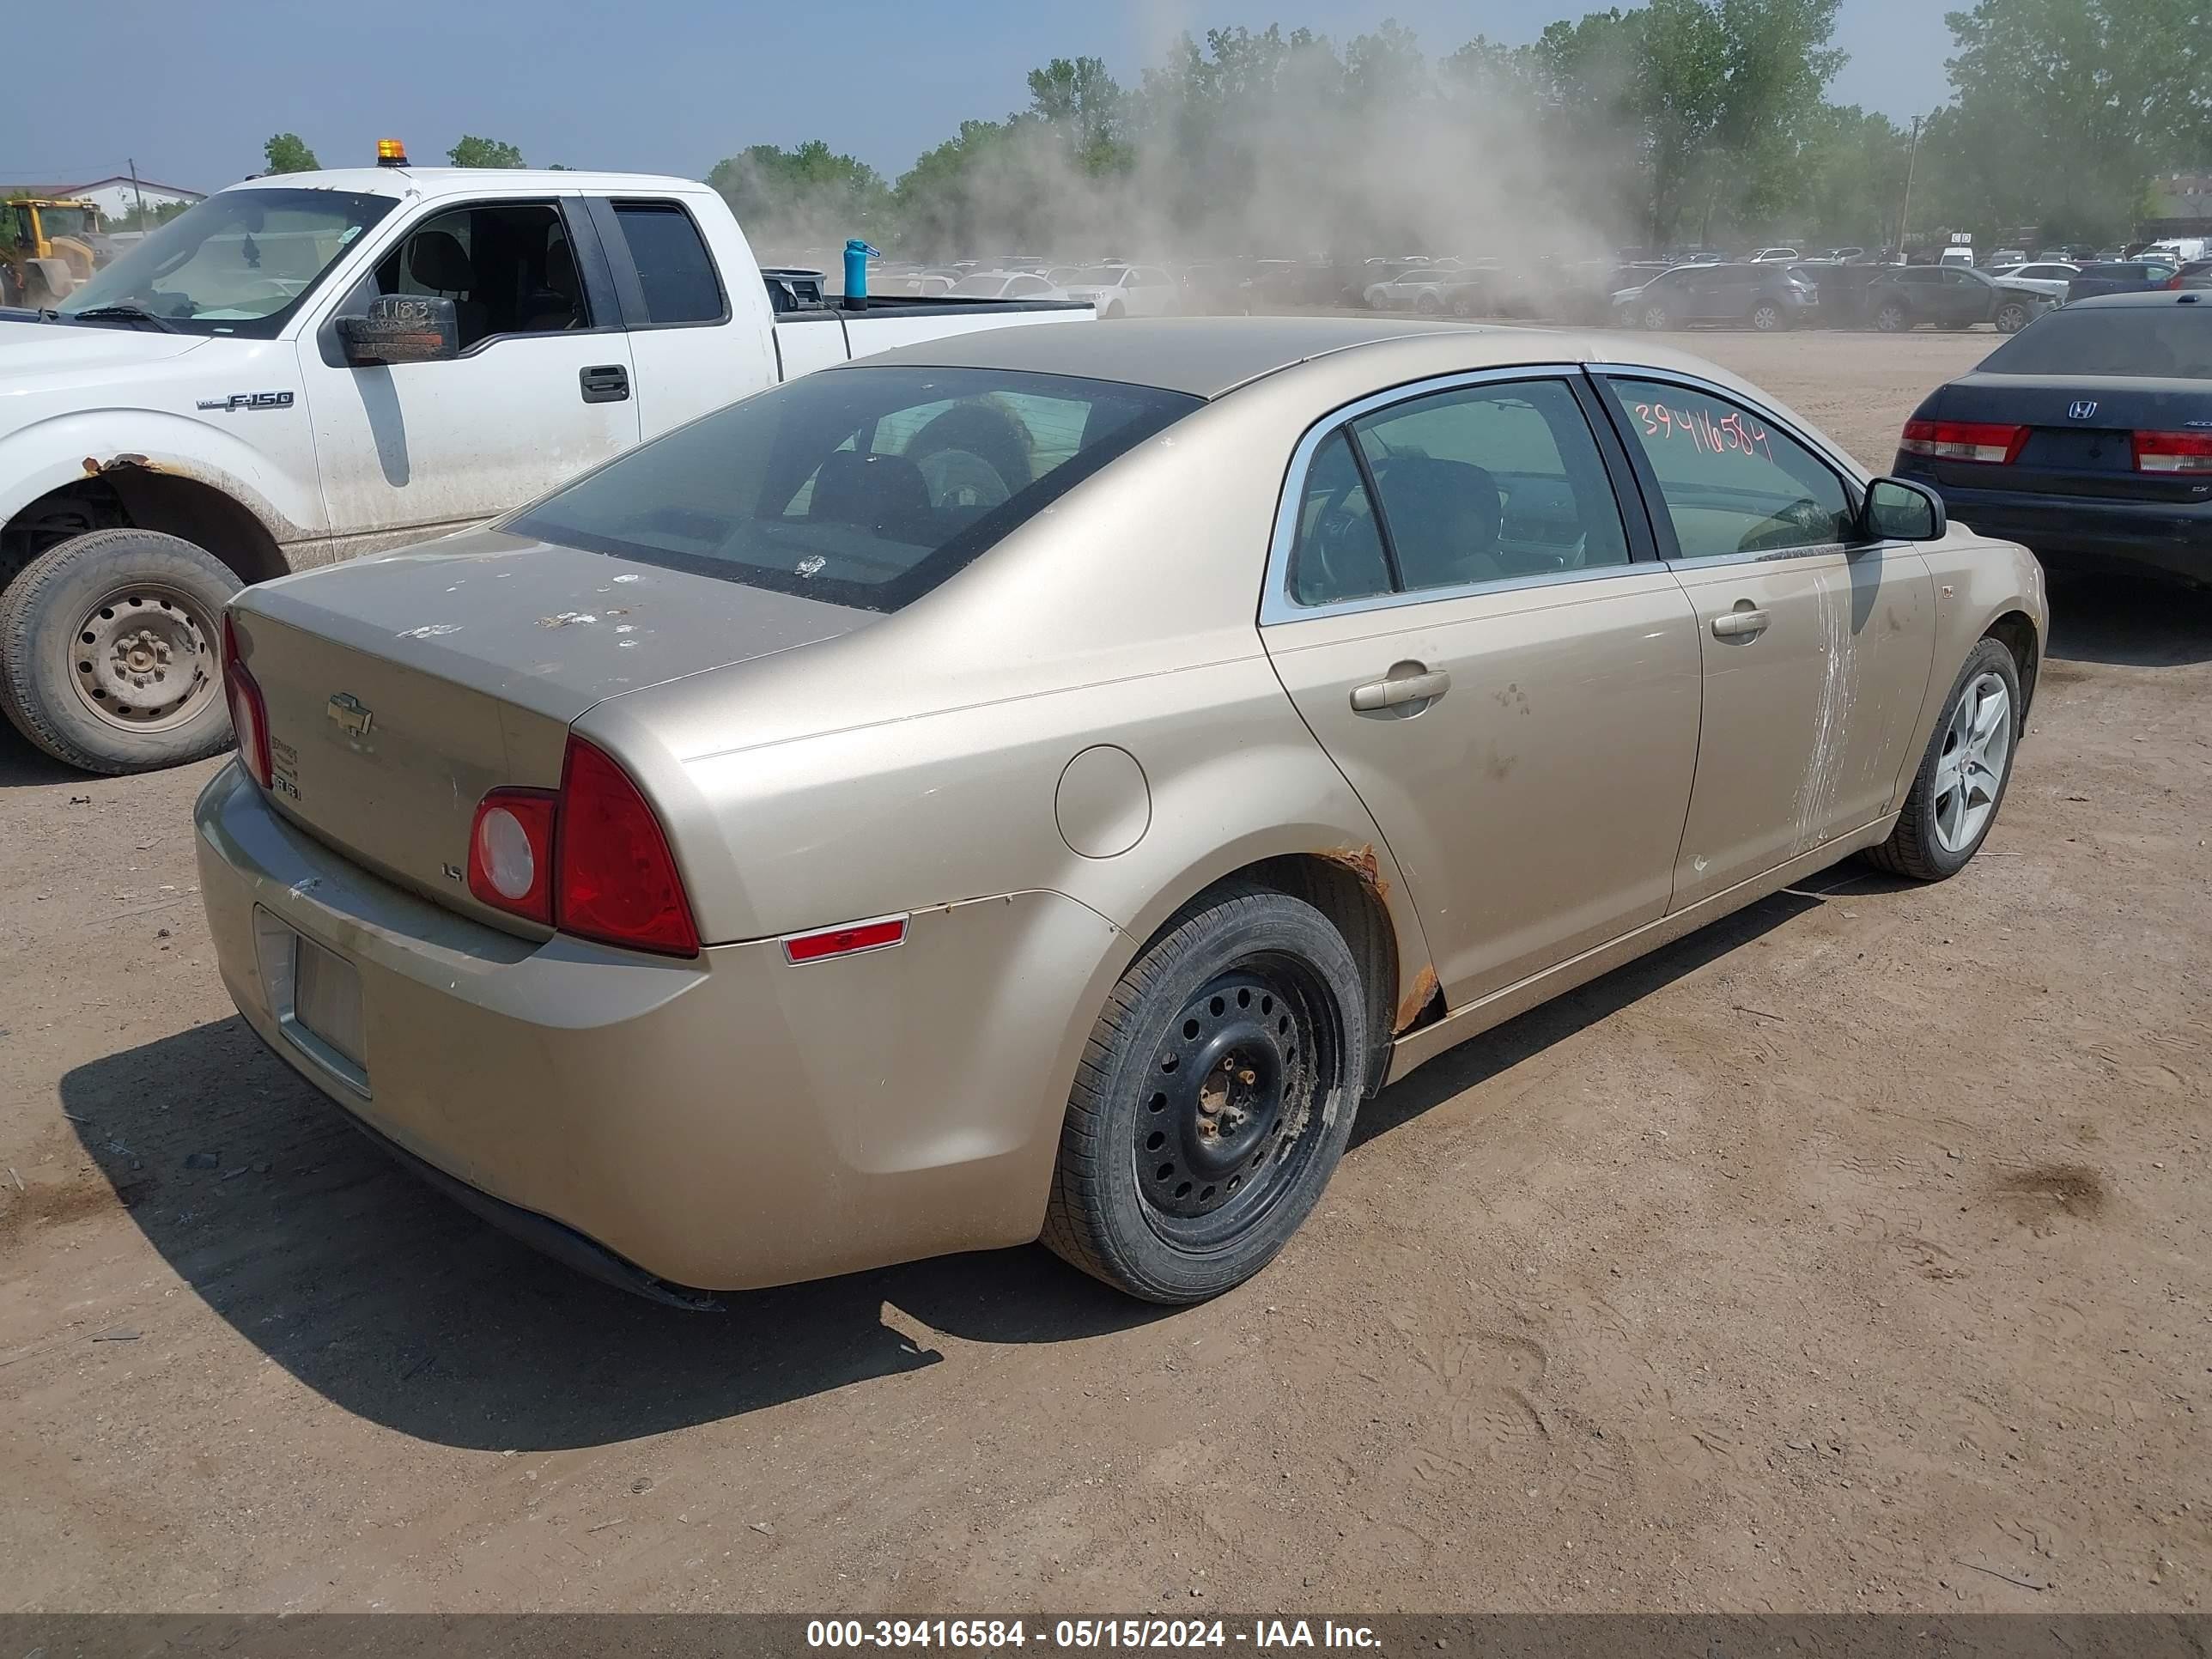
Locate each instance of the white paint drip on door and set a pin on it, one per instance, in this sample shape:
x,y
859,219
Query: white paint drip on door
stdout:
x,y
1822,782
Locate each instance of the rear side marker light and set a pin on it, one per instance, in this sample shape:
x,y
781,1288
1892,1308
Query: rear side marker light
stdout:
x,y
2173,451
1965,440
850,939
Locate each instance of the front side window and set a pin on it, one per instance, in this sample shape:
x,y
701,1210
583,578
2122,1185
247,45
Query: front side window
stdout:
x,y
672,264
857,487
506,265
239,263
1732,482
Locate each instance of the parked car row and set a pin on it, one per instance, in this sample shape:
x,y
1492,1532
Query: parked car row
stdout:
x,y
1773,295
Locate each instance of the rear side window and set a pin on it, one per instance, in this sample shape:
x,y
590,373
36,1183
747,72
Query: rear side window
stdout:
x,y
1731,481
1492,482
1339,552
858,487
672,266
2157,342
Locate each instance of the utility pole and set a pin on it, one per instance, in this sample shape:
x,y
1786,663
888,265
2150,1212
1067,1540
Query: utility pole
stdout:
x,y
1905,209
139,193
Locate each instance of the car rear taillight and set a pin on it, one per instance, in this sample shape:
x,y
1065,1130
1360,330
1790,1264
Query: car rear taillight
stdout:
x,y
249,710
511,851
589,860
615,879
2173,451
1964,441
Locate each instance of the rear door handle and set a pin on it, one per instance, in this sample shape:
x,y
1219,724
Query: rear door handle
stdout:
x,y
1424,687
604,382
1740,624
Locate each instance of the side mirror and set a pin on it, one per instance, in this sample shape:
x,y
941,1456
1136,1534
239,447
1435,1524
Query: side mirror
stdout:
x,y
401,328
1898,510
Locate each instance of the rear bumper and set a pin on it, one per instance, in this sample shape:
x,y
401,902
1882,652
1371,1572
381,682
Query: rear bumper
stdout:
x,y
725,1123
2172,538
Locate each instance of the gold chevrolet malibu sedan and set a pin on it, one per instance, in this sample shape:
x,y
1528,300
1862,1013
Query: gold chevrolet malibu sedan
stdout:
x,y
1041,783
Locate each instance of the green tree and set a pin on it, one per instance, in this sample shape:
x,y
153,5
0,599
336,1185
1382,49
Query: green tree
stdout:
x,y
155,213
286,152
798,197
474,152
2063,109
1086,109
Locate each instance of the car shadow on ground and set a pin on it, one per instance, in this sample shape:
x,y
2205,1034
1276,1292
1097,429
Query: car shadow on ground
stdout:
x,y
1476,1061
2128,621
398,1305
401,1307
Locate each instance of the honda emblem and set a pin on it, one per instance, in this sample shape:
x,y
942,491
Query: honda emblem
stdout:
x,y
2082,409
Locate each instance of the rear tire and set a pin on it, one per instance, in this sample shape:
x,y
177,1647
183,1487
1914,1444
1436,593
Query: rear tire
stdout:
x,y
1960,785
109,646
1213,1099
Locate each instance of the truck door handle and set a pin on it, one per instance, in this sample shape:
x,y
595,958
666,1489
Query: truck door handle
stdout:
x,y
1740,624
604,382
1423,687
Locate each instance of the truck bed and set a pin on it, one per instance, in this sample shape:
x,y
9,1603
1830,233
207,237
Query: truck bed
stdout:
x,y
811,339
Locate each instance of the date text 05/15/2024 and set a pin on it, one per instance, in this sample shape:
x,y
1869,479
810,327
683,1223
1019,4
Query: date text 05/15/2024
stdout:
x,y
1262,1636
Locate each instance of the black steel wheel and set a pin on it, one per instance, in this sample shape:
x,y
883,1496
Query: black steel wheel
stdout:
x,y
1214,1098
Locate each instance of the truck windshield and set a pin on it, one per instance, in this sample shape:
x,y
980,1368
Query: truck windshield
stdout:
x,y
66,220
237,264
858,487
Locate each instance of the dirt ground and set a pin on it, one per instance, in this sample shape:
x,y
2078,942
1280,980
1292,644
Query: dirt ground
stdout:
x,y
1851,1254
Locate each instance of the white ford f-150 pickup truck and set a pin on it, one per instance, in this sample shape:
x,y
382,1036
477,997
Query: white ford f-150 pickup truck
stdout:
x,y
312,366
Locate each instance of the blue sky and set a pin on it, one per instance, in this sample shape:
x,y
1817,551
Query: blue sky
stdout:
x,y
191,93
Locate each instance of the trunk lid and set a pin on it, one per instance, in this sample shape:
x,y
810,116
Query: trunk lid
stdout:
x,y
402,689
2081,432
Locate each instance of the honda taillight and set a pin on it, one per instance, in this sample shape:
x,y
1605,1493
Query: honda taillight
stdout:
x,y
2173,451
615,878
511,853
249,711
1964,441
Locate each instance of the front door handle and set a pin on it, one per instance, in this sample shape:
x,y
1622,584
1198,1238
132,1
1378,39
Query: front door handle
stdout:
x,y
1424,686
604,382
1740,624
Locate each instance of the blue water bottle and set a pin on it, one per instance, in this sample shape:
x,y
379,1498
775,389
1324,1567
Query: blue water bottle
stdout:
x,y
857,255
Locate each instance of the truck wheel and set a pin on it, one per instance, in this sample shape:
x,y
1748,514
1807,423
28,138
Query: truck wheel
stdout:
x,y
1213,1099
109,648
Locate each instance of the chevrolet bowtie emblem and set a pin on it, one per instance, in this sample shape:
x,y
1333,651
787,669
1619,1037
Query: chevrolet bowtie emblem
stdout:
x,y
351,714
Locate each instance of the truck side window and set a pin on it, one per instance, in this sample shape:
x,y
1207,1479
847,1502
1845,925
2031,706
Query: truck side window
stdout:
x,y
672,264
506,266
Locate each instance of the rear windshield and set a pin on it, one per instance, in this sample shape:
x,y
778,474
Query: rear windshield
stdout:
x,y
2165,342
858,487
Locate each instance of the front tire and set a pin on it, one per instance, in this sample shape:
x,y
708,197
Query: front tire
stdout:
x,y
1768,317
1656,319
1213,1099
1961,783
108,651
1891,319
2011,318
